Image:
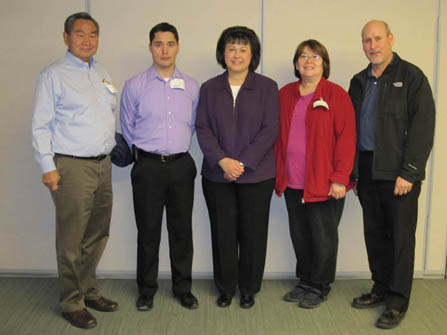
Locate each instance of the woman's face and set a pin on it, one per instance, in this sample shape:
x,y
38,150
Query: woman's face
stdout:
x,y
310,65
237,57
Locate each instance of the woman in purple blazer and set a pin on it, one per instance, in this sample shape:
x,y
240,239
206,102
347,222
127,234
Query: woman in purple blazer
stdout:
x,y
237,124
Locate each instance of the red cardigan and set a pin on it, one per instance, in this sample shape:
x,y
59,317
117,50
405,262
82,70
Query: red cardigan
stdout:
x,y
330,136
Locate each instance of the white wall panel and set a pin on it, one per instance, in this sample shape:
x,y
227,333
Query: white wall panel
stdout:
x,y
32,38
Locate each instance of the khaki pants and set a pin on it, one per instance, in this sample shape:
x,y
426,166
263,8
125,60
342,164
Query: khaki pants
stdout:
x,y
83,204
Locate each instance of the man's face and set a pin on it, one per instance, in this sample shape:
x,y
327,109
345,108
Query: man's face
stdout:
x,y
377,44
83,39
164,49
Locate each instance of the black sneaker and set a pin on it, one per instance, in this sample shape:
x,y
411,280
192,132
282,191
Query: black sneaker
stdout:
x,y
312,299
297,293
390,319
368,300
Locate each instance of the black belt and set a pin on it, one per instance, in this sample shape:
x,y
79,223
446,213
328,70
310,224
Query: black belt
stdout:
x,y
162,158
94,158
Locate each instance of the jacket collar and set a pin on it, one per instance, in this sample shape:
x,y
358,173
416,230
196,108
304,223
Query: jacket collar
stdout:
x,y
249,82
389,69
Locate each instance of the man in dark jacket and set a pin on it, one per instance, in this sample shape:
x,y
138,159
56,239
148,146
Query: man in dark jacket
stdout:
x,y
395,122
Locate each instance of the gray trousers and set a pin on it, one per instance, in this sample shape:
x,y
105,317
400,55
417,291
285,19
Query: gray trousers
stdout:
x,y
83,204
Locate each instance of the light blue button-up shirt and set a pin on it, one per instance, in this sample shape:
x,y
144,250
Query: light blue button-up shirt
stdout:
x,y
73,111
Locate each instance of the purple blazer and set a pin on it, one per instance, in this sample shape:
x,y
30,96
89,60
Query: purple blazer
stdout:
x,y
245,132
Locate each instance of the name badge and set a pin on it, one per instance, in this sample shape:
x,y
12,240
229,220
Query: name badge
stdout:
x,y
178,83
110,87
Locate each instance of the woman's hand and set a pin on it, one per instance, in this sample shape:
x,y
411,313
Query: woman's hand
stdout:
x,y
337,191
232,168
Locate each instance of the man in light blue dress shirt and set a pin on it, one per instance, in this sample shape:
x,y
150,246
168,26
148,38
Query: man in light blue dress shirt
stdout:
x,y
73,132
158,110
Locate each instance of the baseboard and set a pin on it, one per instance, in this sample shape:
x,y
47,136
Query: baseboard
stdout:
x,y
342,275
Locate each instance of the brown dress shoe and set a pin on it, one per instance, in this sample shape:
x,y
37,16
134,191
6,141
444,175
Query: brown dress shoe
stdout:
x,y
102,304
80,319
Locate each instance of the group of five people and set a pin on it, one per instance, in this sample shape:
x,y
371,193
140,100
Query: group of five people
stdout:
x,y
310,140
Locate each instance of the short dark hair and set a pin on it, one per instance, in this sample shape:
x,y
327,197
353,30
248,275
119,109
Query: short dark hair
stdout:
x,y
319,49
68,25
163,27
241,35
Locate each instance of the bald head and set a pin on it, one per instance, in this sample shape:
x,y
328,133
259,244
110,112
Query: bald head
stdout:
x,y
378,23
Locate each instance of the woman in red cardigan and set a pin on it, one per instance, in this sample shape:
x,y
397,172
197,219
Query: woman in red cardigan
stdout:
x,y
314,156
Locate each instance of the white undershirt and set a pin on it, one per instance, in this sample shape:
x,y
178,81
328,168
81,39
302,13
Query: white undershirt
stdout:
x,y
235,89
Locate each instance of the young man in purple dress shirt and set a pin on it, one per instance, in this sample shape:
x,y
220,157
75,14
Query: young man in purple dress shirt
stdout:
x,y
158,110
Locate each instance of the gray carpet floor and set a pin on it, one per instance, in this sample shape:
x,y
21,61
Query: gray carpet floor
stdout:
x,y
29,306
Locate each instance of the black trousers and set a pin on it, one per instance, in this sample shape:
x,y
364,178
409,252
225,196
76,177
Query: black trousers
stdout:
x,y
390,227
157,185
314,233
239,215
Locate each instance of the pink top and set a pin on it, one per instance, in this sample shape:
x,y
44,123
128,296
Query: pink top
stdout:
x,y
296,149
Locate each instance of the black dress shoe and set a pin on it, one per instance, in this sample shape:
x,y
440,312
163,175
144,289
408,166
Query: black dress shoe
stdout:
x,y
188,300
145,303
368,300
224,300
247,301
80,319
102,304
390,318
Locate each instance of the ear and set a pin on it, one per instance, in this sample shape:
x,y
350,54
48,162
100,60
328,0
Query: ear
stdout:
x,y
66,37
149,47
391,38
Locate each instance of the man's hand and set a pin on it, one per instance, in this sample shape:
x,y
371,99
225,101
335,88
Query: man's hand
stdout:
x,y
402,186
231,167
337,191
51,180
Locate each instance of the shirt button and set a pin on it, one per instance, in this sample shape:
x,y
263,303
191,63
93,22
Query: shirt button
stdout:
x,y
170,127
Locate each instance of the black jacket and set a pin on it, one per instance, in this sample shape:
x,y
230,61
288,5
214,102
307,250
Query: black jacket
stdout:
x,y
405,121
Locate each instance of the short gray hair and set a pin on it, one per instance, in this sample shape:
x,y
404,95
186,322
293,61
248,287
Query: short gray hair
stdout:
x,y
68,25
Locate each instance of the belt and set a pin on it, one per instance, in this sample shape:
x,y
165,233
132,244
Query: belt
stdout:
x,y
162,158
94,158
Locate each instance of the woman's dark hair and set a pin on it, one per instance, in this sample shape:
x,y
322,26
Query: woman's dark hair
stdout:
x,y
163,27
242,35
319,49
68,25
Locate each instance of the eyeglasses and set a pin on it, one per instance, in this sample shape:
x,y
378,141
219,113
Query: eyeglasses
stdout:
x,y
306,57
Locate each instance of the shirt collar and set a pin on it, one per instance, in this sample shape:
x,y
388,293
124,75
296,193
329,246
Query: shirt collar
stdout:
x,y
153,74
79,62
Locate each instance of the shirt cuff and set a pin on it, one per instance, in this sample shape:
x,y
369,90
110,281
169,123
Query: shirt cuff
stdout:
x,y
47,164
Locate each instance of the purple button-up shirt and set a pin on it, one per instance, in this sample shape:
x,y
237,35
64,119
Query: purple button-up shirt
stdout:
x,y
245,132
156,115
